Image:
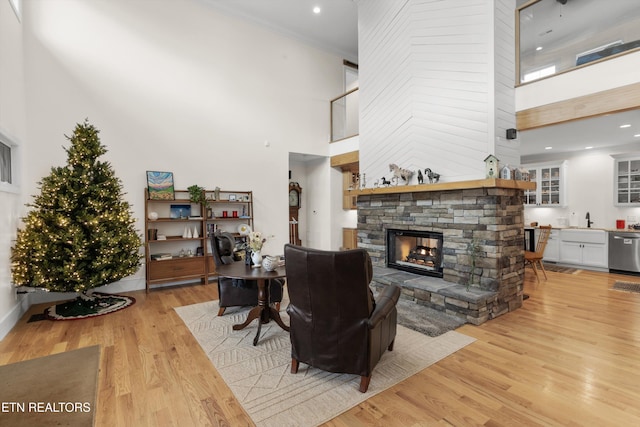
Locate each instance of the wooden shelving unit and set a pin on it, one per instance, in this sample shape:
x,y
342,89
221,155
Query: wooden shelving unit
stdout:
x,y
230,201
186,239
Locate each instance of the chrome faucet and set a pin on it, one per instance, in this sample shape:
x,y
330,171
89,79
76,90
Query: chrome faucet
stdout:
x,y
589,222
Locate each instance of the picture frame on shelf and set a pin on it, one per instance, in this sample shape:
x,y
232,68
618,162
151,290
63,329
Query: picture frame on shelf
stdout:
x,y
160,185
180,211
232,197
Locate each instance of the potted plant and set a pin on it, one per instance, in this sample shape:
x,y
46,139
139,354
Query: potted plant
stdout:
x,y
196,195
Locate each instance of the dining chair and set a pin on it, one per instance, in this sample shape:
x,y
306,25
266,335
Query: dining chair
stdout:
x,y
534,258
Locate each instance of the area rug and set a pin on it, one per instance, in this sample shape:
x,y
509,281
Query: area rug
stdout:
x,y
56,390
81,309
626,286
260,376
561,269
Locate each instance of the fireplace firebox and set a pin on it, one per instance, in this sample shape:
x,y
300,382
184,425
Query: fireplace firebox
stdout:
x,y
415,251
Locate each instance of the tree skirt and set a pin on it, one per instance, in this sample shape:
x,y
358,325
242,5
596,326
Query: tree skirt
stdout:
x,y
81,307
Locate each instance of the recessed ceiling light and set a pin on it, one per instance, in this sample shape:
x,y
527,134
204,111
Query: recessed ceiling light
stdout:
x,y
637,135
624,126
316,9
548,148
539,48
588,148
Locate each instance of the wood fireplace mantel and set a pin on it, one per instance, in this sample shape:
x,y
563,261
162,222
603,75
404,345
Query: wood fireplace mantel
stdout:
x,y
444,186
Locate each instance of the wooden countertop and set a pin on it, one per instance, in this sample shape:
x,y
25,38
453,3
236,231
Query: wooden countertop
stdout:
x,y
612,230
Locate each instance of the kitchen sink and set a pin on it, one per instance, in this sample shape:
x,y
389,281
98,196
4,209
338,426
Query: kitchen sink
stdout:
x,y
583,235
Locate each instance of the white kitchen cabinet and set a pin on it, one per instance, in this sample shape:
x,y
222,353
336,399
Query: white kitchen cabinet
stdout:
x,y
595,255
627,182
588,248
550,185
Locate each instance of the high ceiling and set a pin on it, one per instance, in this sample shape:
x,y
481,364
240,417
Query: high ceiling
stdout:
x,y
334,29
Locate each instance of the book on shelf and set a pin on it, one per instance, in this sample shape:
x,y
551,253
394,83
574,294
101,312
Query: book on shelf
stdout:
x,y
161,256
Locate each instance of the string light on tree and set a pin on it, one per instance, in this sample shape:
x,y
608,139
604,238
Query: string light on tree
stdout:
x,y
79,233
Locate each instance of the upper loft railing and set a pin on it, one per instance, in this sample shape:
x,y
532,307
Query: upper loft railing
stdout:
x,y
344,116
556,36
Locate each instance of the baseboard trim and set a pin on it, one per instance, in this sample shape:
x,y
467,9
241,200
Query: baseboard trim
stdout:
x,y
14,315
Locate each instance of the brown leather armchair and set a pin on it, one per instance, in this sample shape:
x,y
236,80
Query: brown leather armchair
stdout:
x,y
238,292
336,325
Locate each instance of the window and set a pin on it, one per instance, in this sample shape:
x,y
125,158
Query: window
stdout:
x,y
535,75
8,163
5,163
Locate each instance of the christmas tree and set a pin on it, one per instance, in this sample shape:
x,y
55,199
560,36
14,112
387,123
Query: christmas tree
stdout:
x,y
79,233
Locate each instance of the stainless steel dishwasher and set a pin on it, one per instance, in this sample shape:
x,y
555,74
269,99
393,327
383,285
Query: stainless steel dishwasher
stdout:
x,y
624,251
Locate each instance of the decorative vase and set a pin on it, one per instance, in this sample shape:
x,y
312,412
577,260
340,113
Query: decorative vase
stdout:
x,y
270,263
256,258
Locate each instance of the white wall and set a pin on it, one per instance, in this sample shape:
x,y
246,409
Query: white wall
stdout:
x,y
177,87
318,207
428,90
12,123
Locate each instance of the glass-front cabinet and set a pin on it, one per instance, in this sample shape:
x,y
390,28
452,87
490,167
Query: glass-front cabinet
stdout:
x,y
627,181
550,185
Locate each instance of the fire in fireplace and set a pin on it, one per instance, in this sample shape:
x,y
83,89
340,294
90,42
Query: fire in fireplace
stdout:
x,y
415,251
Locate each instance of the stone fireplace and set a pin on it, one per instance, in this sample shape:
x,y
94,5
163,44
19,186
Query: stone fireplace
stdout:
x,y
481,222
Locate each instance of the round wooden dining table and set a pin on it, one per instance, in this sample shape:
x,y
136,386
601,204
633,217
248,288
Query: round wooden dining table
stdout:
x,y
263,311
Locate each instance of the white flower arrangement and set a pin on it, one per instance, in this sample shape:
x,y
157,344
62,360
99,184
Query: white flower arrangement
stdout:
x,y
255,241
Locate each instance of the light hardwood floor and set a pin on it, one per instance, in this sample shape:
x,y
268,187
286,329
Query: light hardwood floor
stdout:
x,y
569,357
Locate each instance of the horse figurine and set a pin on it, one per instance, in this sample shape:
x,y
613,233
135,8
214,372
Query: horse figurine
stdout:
x,y
384,181
433,177
399,172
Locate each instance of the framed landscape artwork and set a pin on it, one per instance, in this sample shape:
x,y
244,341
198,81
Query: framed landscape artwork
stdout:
x,y
160,185
180,211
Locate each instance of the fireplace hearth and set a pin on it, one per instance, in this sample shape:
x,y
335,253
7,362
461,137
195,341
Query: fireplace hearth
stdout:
x,y
415,251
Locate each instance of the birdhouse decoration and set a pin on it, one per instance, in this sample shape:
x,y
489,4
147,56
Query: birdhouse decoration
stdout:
x,y
491,166
505,172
